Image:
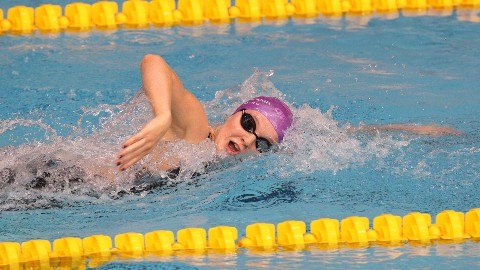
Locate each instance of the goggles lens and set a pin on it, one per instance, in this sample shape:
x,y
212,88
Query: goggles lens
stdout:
x,y
248,124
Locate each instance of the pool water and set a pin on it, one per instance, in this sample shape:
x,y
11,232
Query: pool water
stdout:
x,y
68,100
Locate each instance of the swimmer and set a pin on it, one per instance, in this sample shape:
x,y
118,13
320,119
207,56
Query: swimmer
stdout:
x,y
254,126
179,115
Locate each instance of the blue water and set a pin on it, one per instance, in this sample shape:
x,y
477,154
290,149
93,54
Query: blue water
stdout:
x,y
60,94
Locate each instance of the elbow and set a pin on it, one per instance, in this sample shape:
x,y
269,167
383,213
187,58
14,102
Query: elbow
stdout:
x,y
149,57
152,62
152,59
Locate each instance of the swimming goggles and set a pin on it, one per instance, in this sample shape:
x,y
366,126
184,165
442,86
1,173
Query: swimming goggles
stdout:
x,y
248,124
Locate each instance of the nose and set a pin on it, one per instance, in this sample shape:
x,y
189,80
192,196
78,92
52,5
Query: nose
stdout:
x,y
249,139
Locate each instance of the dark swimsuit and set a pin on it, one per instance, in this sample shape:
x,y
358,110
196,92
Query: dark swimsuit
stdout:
x,y
144,180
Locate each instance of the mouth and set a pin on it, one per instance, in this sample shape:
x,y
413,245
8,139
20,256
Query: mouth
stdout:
x,y
233,148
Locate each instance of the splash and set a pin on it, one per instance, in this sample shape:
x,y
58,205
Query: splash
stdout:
x,y
225,101
55,171
316,142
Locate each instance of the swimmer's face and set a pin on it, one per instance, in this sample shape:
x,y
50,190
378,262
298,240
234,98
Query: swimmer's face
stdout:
x,y
233,139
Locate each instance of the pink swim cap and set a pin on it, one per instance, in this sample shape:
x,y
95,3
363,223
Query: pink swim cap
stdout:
x,y
275,110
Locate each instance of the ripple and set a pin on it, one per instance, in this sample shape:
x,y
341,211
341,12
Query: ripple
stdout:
x,y
258,198
148,37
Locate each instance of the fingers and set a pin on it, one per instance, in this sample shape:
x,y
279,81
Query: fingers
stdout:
x,y
441,130
452,131
132,147
137,137
131,154
436,130
140,144
130,162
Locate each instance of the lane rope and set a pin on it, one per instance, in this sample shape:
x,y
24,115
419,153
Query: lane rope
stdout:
x,y
78,16
354,231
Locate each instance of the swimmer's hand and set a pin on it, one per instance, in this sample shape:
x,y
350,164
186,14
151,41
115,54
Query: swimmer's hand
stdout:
x,y
143,142
432,130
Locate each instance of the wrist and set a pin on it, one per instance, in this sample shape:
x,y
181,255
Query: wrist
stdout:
x,y
165,118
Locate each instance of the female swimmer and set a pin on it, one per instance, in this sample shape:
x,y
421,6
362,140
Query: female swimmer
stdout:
x,y
255,125
179,115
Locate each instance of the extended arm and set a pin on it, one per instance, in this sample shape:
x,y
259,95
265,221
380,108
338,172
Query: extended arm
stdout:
x,y
432,129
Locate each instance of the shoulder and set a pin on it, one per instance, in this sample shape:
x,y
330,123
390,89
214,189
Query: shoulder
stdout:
x,y
189,118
